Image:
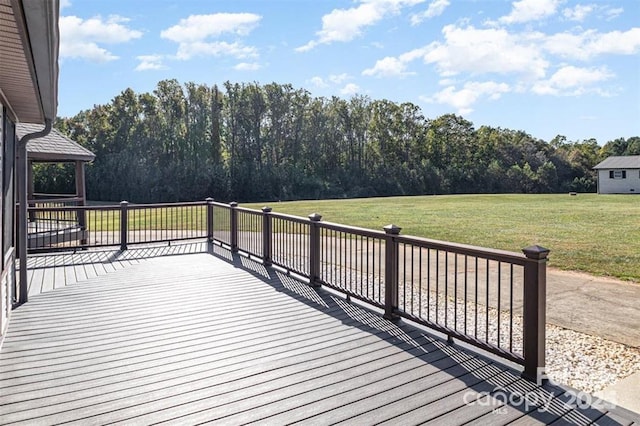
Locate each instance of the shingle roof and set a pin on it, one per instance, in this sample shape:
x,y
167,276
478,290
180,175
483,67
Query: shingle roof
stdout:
x,y
624,162
53,147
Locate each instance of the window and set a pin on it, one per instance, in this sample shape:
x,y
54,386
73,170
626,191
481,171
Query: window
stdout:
x,y
617,174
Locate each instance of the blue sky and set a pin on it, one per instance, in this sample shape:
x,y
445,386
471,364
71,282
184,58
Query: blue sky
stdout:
x,y
547,67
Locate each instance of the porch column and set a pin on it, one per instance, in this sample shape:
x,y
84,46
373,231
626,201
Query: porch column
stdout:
x,y
80,188
81,194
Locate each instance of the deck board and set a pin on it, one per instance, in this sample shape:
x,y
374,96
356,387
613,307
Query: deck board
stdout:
x,y
148,336
47,272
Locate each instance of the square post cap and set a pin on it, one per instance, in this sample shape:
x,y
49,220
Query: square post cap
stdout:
x,y
392,229
315,217
536,252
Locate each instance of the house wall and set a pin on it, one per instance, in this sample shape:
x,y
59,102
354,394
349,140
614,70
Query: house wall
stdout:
x,y
628,185
7,219
5,290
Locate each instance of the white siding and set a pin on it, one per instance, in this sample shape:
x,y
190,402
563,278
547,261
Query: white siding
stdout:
x,y
5,294
630,185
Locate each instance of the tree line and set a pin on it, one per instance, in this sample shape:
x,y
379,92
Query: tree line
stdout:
x,y
252,142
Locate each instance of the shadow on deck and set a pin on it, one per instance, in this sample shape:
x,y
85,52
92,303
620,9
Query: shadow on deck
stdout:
x,y
212,336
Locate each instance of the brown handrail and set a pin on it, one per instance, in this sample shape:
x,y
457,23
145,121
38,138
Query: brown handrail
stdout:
x,y
69,199
383,266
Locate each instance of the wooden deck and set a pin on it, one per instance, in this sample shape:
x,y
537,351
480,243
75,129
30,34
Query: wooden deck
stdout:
x,y
140,338
48,272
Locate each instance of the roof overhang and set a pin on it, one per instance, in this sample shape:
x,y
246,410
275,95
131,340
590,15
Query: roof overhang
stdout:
x,y
54,147
619,162
29,43
45,157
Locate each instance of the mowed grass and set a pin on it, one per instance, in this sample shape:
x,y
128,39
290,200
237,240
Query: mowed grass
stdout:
x,y
597,234
174,218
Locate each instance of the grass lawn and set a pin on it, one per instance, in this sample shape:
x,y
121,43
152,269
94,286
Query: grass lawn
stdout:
x,y
598,234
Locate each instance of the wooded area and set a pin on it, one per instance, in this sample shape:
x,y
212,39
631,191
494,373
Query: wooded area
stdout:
x,y
252,142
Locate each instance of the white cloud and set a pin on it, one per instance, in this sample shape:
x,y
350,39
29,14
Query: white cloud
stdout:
x,y
613,13
193,35
306,47
530,10
247,66
616,42
342,25
350,89
200,27
578,13
318,82
215,48
478,51
588,44
436,8
332,79
64,4
84,50
81,38
521,59
338,78
334,82
395,67
150,62
345,24
387,67
473,51
573,81
463,99
566,45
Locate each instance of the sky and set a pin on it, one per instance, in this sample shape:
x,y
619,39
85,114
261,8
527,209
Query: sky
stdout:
x,y
547,67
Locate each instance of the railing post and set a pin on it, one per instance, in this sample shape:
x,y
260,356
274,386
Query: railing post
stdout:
x,y
82,222
391,272
81,194
534,312
30,196
266,235
209,219
233,214
314,249
124,225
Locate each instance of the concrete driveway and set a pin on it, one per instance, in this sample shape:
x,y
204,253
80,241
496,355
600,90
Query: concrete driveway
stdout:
x,y
594,305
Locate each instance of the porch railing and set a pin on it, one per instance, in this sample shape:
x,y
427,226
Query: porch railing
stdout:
x,y
489,298
58,228
40,219
492,299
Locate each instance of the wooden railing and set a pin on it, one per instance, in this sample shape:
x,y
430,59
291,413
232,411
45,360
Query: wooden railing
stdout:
x,y
492,299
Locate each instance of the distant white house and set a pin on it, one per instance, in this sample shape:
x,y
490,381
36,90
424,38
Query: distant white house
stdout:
x,y
619,175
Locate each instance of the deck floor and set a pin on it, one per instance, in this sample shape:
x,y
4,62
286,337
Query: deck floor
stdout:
x,y
215,337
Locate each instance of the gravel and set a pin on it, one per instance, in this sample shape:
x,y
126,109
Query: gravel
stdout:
x,y
581,361
587,363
